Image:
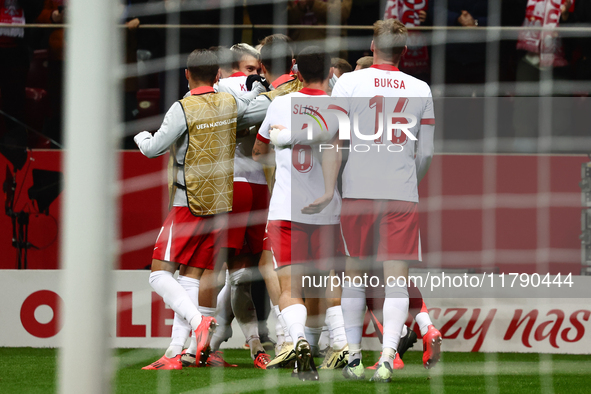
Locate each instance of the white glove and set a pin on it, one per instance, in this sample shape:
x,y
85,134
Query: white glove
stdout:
x,y
144,135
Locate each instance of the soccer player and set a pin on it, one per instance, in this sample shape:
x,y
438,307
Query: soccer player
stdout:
x,y
305,205
248,59
380,189
277,61
188,238
245,233
364,62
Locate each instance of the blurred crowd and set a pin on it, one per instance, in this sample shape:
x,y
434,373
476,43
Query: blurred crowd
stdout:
x,y
32,59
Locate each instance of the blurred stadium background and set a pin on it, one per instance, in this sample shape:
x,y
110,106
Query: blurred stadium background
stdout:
x,y
509,189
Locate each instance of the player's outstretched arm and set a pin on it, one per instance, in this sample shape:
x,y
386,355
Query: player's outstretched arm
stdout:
x,y
281,136
262,153
173,126
331,164
256,111
424,150
243,104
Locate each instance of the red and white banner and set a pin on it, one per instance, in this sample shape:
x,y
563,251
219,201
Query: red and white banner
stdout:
x,y
29,316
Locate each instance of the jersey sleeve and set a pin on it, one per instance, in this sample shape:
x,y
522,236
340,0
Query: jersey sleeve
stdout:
x,y
256,110
243,102
428,117
173,126
263,134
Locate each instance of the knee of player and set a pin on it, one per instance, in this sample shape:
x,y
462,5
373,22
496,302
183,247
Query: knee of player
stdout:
x,y
157,276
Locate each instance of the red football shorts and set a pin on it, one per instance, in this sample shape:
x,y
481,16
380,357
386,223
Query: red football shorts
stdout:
x,y
246,222
298,243
188,239
381,229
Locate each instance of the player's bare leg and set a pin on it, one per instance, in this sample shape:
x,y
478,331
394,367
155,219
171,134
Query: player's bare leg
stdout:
x,y
353,306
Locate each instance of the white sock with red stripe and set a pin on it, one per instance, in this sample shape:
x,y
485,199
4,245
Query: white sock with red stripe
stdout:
x,y
295,319
395,314
175,296
336,325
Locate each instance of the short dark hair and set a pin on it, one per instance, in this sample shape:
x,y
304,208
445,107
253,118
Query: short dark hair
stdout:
x,y
227,59
341,64
314,64
276,51
389,37
203,65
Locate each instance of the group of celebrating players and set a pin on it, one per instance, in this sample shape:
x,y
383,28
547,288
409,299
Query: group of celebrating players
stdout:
x,y
225,137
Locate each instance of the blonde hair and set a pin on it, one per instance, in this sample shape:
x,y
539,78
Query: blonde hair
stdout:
x,y
365,61
389,37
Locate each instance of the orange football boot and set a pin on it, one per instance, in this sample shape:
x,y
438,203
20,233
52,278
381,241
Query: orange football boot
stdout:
x,y
216,359
396,364
166,363
203,335
431,347
261,360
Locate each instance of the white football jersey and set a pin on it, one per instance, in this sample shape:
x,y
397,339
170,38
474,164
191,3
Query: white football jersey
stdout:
x,y
245,169
383,168
299,180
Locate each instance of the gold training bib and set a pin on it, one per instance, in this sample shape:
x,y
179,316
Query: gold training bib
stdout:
x,y
285,88
209,161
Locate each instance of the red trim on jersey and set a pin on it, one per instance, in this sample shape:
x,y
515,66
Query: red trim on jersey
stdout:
x,y
332,106
263,139
385,67
237,74
282,79
202,90
428,121
313,92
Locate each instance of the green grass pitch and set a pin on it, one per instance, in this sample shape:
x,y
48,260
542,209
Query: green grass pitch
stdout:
x,y
29,370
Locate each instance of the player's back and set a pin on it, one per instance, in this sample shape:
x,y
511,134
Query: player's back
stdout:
x,y
208,160
382,168
299,178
